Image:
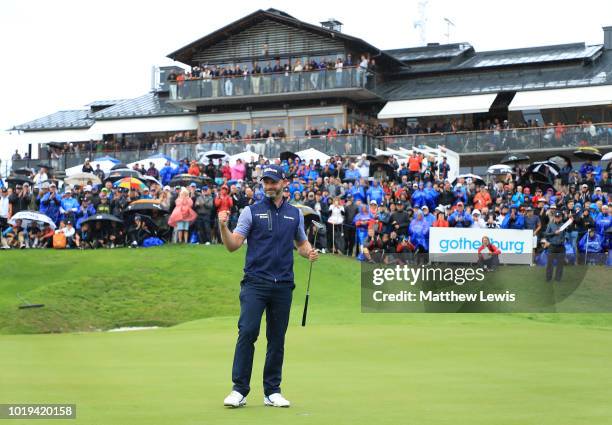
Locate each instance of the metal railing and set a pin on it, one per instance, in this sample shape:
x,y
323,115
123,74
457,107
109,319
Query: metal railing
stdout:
x,y
552,137
354,144
272,83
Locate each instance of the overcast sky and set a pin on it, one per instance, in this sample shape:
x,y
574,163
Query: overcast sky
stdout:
x,y
63,54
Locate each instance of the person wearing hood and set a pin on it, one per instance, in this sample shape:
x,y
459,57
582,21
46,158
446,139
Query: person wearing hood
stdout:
x,y
69,206
460,218
514,220
430,218
362,221
50,203
478,222
592,246
358,192
419,235
375,193
431,196
418,197
166,173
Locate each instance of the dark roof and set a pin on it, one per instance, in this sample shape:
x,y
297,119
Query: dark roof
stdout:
x,y
185,53
77,118
430,52
147,105
97,103
563,52
503,79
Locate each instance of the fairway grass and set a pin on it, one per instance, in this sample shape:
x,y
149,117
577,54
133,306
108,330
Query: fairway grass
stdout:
x,y
344,367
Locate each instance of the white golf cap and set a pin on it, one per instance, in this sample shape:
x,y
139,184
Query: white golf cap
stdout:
x,y
476,212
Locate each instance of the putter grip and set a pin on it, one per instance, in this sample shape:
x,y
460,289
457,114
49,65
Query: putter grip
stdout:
x,y
305,311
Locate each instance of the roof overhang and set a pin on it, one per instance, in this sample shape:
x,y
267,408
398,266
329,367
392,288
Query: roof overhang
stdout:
x,y
561,98
440,106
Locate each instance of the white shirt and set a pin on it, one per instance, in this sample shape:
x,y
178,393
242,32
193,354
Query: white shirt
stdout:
x,y
4,206
336,214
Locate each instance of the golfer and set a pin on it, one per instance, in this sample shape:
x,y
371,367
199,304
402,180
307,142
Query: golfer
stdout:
x,y
556,247
270,227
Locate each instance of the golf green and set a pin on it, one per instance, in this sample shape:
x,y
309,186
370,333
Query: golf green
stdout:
x,y
344,367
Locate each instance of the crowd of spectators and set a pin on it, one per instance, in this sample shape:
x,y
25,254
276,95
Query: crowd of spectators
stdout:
x,y
371,208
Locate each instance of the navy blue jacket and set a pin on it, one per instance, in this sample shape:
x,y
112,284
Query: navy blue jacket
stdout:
x,y
270,233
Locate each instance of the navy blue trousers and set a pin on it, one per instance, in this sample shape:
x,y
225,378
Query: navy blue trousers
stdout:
x,y
255,298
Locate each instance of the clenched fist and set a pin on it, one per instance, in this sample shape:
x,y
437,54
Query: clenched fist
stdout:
x,y
223,217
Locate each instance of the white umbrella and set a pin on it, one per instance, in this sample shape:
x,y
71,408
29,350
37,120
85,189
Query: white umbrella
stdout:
x,y
28,217
311,153
607,157
499,169
244,157
158,160
476,179
82,179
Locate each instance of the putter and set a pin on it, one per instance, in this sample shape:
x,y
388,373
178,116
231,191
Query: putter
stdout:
x,y
318,226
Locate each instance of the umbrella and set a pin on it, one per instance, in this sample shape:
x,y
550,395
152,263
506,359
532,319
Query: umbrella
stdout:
x,y
121,174
19,180
285,156
103,218
151,179
309,214
148,220
130,183
28,217
475,178
106,158
187,179
119,166
513,158
499,169
560,160
82,179
146,205
588,154
387,168
544,168
245,157
349,180
607,157
215,154
23,171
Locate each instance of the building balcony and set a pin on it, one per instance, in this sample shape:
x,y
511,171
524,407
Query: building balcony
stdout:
x,y
351,83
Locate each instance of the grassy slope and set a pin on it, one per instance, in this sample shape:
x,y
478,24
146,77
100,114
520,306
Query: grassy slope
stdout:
x,y
345,367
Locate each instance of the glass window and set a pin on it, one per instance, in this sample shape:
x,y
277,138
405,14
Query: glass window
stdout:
x,y
216,126
297,126
324,122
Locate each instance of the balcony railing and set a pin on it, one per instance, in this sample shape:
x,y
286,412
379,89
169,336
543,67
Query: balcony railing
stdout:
x,y
355,144
512,139
273,83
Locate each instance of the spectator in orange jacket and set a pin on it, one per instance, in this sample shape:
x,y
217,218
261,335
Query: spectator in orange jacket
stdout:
x,y
482,198
440,220
194,170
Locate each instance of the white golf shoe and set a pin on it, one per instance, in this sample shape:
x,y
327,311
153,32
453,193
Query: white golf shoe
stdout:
x,y
234,399
276,400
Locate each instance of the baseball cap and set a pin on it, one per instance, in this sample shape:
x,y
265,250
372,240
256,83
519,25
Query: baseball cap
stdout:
x,y
558,214
476,212
273,172
425,207
193,185
460,203
373,201
87,188
68,191
204,188
598,189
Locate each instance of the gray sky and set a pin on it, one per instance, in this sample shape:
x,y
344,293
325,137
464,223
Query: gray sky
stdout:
x,y
63,54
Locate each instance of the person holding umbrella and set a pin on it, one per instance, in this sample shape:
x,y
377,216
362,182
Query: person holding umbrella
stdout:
x,y
271,227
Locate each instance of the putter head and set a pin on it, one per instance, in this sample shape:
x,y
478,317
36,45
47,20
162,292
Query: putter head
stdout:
x,y
318,226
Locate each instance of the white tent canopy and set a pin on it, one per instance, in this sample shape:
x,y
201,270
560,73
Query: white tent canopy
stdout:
x,y
561,98
58,136
105,165
311,153
244,156
146,125
455,105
